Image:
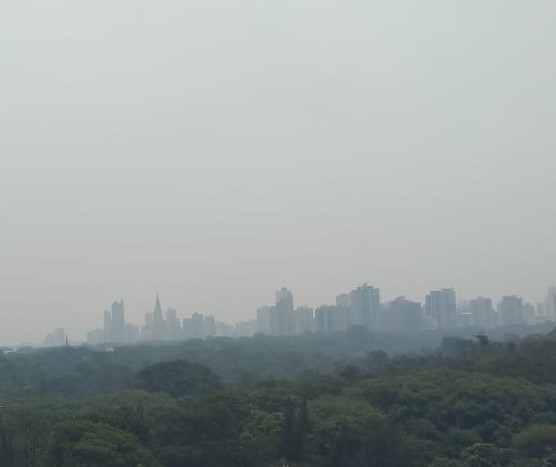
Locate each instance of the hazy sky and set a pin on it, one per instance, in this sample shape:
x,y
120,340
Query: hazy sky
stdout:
x,y
217,150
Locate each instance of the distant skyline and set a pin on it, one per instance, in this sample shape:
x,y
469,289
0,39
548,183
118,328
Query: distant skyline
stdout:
x,y
138,317
218,150
360,307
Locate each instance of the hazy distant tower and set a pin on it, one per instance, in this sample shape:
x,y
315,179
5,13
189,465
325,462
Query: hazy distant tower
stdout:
x,y
282,313
510,310
440,306
364,305
118,322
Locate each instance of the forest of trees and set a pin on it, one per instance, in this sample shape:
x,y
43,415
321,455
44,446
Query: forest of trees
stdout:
x,y
308,401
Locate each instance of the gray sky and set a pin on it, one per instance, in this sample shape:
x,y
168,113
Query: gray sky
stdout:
x,y
217,150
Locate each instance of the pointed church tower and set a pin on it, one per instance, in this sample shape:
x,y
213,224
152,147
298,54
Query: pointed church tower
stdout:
x,y
158,321
157,307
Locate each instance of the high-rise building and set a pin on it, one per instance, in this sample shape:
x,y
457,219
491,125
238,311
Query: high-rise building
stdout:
x,y
364,306
173,327
118,322
326,319
482,312
440,305
197,326
114,323
282,318
343,311
510,310
464,315
107,330
401,315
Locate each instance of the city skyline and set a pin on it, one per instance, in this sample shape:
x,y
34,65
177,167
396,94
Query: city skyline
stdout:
x,y
364,306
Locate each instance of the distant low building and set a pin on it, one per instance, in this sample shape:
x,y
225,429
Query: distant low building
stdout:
x,y
246,329
95,337
56,338
264,320
303,320
131,333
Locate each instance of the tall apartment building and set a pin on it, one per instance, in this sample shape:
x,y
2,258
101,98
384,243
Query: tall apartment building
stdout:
x,y
364,307
343,310
114,323
482,312
326,319
107,328
440,306
118,322
282,319
197,326
510,310
173,326
401,315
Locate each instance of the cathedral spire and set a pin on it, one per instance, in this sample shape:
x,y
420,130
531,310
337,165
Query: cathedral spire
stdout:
x,y
157,306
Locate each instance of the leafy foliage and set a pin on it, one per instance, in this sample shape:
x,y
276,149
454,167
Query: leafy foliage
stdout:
x,y
178,378
474,402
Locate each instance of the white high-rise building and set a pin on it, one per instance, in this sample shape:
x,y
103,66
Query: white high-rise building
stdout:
x,y
364,307
173,326
440,306
282,319
510,310
482,312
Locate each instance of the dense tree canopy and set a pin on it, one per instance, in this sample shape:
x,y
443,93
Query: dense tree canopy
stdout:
x,y
473,402
178,378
